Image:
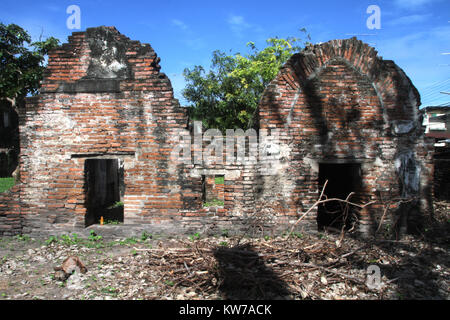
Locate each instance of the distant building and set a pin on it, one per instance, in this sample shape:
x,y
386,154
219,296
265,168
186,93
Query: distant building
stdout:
x,y
437,124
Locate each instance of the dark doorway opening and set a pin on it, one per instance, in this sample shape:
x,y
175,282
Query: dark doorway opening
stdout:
x,y
343,178
9,140
104,191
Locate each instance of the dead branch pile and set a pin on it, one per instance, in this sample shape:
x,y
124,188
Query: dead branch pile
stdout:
x,y
260,269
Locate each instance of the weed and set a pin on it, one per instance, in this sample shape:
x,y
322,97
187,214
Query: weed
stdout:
x,y
146,236
213,203
297,235
195,236
67,240
322,236
6,184
112,222
225,233
51,239
110,290
128,241
223,244
94,237
116,205
169,283
23,238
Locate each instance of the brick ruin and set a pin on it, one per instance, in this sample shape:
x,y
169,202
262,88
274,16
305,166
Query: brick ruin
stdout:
x,y
352,118
98,141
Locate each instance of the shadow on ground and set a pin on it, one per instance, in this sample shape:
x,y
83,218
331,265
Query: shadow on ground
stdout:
x,y
242,274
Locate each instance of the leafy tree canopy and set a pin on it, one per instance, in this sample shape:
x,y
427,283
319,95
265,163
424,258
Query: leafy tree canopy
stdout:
x,y
226,97
21,62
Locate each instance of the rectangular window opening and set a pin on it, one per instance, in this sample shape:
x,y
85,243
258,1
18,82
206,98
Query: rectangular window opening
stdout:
x,y
213,187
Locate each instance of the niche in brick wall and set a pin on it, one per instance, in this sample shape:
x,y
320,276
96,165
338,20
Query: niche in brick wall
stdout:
x,y
343,179
213,190
104,188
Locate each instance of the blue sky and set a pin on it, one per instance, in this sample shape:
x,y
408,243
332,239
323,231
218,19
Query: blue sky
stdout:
x,y
414,33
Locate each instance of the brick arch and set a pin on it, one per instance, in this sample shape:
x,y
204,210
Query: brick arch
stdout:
x,y
345,105
384,132
399,97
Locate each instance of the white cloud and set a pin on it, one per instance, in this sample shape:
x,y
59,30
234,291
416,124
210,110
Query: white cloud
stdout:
x,y
238,25
189,38
411,19
180,24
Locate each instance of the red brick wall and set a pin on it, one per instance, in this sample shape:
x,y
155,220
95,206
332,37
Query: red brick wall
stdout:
x,y
85,112
339,102
104,97
10,219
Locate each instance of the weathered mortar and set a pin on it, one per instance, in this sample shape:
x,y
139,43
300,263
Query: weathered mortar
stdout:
x,y
338,102
103,97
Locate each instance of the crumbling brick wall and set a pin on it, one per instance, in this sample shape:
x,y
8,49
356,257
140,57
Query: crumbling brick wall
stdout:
x,y
103,97
10,218
338,102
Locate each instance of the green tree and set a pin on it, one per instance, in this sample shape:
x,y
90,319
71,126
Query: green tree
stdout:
x,y
227,96
21,62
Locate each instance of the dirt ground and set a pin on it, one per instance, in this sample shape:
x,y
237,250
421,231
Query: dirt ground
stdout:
x,y
194,267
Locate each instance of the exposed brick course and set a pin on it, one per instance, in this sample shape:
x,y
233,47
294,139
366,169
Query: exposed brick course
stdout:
x,y
103,97
338,102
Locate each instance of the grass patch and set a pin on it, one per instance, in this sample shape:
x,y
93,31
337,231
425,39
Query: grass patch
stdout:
x,y
214,203
6,184
219,180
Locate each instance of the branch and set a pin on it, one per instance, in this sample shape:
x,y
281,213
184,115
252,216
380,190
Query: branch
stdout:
x,y
320,201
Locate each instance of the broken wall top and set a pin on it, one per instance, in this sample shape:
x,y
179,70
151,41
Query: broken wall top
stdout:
x,y
398,96
101,59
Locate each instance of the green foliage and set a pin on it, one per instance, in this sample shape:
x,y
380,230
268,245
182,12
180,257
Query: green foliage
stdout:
x,y
128,241
110,290
24,238
219,180
227,96
213,203
116,205
195,236
225,233
21,61
112,222
223,244
296,234
94,237
146,236
6,183
51,239
169,283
